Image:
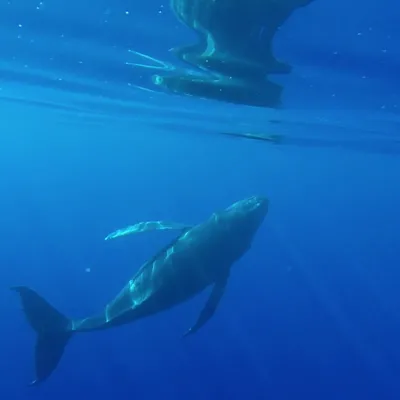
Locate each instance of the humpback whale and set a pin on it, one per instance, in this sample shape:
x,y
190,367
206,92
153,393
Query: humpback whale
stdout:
x,y
202,255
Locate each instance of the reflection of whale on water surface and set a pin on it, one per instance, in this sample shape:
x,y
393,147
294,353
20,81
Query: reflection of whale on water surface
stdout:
x,y
234,48
265,94
264,137
201,256
363,144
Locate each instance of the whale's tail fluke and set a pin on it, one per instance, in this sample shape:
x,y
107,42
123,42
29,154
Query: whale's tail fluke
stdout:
x,y
52,328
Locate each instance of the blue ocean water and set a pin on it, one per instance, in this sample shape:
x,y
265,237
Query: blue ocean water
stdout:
x,y
88,146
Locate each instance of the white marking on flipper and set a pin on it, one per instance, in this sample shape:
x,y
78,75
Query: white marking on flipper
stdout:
x,y
146,227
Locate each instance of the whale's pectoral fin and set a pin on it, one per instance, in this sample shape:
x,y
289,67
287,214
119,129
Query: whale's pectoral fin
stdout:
x,y
211,305
146,227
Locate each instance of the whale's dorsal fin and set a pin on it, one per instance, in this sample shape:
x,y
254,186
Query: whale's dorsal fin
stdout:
x,y
146,227
211,305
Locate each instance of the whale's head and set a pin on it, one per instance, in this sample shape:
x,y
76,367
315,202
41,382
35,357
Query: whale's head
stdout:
x,y
248,214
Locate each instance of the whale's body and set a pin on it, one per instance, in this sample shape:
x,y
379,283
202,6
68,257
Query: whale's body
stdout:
x,y
201,256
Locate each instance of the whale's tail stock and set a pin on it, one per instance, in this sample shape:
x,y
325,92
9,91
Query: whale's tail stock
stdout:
x,y
52,329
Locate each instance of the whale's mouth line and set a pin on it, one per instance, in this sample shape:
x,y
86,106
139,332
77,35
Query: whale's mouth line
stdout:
x,y
249,204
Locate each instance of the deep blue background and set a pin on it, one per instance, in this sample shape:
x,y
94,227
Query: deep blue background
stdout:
x,y
312,311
